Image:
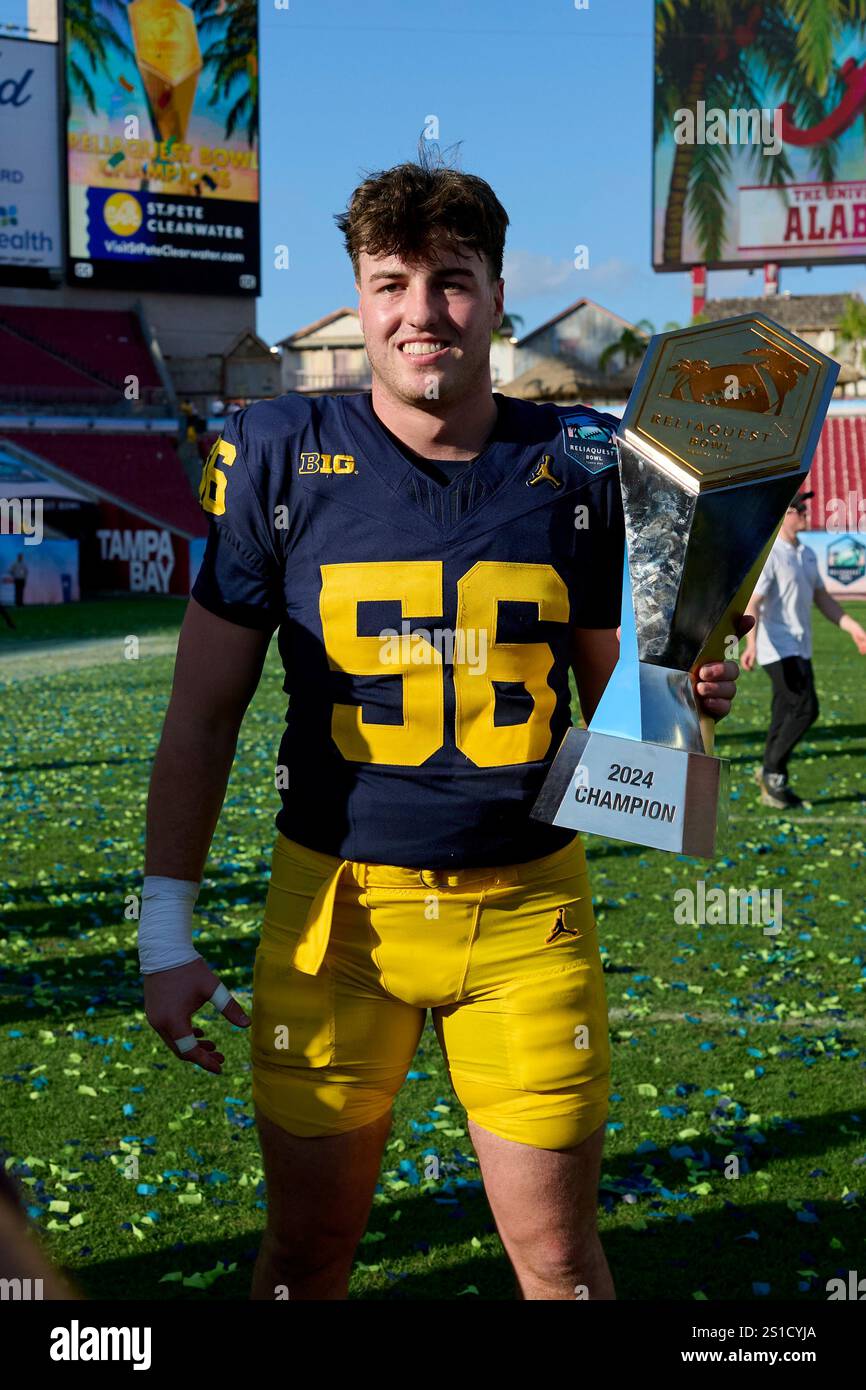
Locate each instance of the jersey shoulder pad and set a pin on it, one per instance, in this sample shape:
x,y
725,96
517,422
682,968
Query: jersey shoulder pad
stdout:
x,y
267,435
242,477
265,424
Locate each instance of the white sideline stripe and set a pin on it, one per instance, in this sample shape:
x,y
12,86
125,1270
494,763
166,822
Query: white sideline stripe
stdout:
x,y
31,660
787,1021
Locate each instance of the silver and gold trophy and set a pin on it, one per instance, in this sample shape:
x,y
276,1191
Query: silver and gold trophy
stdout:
x,y
717,435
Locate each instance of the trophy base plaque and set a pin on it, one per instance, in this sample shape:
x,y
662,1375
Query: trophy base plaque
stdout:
x,y
641,792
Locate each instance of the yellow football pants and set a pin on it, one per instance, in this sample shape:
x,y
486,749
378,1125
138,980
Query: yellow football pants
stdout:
x,y
352,955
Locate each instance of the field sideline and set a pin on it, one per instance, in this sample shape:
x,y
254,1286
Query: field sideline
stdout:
x,y
143,1174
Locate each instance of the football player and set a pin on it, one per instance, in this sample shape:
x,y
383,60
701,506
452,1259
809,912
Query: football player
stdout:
x,y
435,557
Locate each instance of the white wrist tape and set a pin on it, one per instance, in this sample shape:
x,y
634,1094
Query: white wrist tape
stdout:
x,y
165,925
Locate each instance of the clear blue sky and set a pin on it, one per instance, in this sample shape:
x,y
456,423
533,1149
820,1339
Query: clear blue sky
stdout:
x,y
553,107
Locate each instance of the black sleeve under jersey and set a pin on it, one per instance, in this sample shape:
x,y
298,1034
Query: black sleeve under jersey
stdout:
x,y
240,578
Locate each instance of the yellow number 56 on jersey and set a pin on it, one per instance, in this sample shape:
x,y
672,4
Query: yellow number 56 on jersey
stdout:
x,y
212,489
417,585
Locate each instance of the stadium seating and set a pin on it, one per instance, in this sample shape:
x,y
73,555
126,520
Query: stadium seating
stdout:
x,y
25,367
72,357
141,471
838,469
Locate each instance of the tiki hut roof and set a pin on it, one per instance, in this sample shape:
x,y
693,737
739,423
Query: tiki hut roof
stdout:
x,y
552,379
801,313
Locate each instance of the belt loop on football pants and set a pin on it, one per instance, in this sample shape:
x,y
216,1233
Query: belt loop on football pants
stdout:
x,y
313,942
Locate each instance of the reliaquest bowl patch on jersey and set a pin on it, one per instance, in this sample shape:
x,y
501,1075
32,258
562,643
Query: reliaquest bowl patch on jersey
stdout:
x,y
589,441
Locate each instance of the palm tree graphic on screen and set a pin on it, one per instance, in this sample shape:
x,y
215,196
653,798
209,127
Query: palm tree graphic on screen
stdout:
x,y
95,39
232,57
733,55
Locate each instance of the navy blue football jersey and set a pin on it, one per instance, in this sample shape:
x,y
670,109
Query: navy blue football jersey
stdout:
x,y
424,628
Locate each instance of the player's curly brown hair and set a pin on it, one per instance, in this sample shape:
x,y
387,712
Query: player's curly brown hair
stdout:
x,y
401,211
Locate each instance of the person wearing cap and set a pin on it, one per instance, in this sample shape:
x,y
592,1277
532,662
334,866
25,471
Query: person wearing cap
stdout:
x,y
781,642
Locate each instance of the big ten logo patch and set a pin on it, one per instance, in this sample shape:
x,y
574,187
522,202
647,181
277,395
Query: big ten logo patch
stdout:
x,y
327,463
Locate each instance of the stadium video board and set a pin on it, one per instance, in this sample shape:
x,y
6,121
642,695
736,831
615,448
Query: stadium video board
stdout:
x,y
35,20
162,137
759,149
31,244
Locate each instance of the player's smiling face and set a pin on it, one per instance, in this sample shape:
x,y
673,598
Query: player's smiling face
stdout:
x,y
427,327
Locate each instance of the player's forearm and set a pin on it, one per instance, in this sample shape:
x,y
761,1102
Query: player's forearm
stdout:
x,y
591,677
590,688
187,789
830,608
753,610
594,654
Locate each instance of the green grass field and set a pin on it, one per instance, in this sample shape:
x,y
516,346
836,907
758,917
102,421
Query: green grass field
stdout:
x,y
144,1175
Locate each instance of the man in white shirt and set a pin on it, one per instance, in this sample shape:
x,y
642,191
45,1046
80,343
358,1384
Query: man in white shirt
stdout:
x,y
781,642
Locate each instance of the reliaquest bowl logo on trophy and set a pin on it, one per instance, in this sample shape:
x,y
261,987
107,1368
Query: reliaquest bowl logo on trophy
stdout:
x,y
716,437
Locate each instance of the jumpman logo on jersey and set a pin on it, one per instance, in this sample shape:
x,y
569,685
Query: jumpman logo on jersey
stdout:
x,y
559,928
542,473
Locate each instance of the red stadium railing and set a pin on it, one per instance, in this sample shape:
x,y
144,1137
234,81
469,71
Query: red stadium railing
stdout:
x,y
64,400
